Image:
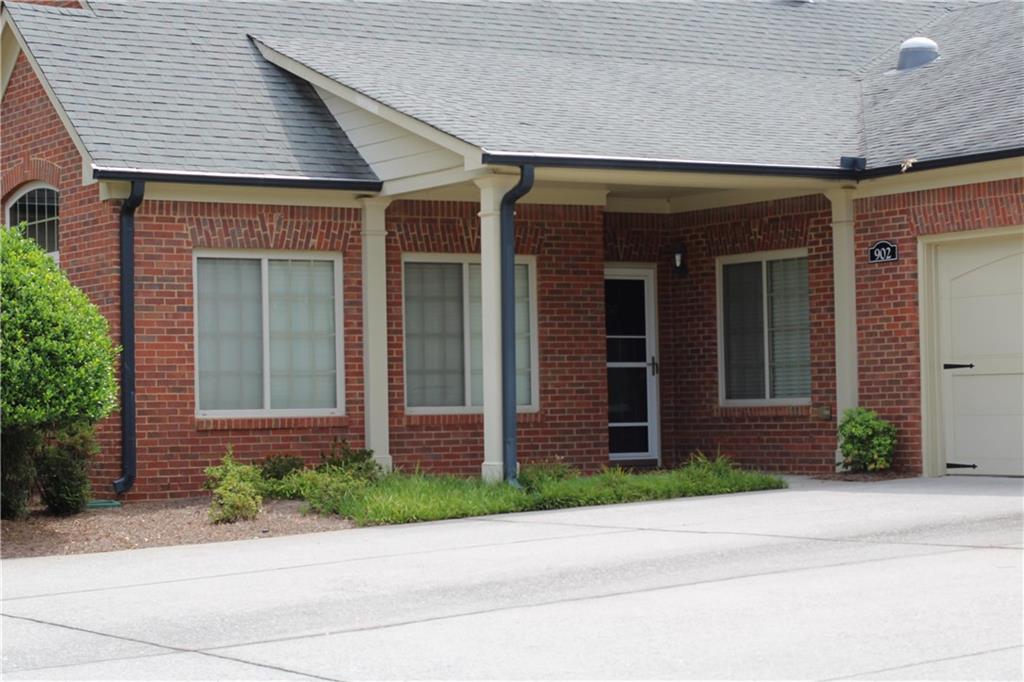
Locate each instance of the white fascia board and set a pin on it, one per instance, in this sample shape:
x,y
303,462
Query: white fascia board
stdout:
x,y
7,24
950,176
470,153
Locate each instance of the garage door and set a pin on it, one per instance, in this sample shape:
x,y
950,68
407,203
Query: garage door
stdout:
x,y
981,348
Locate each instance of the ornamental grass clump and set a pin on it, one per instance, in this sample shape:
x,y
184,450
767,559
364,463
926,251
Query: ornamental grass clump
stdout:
x,y
866,441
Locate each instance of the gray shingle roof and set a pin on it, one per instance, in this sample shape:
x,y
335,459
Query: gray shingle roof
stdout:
x,y
180,86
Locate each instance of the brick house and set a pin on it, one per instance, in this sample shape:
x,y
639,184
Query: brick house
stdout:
x,y
741,220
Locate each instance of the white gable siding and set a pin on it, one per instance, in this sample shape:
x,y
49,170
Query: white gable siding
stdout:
x,y
391,151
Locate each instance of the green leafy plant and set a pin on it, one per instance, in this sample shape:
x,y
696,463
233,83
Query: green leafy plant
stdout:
x,y
236,493
56,360
62,470
866,441
278,466
357,461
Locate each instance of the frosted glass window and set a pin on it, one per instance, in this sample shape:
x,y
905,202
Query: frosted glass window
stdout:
x,y
766,350
303,371
434,337
443,313
230,334
524,340
285,363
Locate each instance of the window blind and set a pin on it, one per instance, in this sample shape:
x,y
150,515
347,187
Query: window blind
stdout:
x,y
743,330
789,328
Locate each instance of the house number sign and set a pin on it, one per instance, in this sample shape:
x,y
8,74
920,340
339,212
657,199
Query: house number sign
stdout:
x,y
883,252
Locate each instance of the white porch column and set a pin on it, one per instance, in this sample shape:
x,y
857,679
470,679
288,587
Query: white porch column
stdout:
x,y
375,330
492,189
844,259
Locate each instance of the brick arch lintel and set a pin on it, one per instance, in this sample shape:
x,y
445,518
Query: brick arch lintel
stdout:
x,y
29,170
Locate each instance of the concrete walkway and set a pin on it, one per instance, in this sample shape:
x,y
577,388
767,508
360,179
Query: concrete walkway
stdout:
x,y
904,579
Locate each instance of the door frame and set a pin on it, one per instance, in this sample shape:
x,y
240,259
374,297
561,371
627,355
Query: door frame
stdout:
x,y
933,439
649,273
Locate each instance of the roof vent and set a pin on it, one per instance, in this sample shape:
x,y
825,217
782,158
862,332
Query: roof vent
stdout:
x,y
916,52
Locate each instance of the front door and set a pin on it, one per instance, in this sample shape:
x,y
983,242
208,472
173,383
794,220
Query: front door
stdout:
x,y
981,347
632,364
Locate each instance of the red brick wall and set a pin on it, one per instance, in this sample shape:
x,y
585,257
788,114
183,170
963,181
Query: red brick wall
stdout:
x,y
572,420
888,325
174,446
777,438
36,147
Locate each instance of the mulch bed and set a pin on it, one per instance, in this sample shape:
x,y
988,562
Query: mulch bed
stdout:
x,y
865,476
151,524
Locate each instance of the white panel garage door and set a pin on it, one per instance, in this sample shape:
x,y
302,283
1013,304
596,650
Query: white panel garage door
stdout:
x,y
981,323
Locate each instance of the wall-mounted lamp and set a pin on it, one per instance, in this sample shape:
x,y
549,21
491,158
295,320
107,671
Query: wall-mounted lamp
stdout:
x,y
679,258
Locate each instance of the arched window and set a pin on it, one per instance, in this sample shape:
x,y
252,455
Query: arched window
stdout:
x,y
39,206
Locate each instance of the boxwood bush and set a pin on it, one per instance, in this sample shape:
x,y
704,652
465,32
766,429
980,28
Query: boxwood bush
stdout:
x,y
866,441
56,362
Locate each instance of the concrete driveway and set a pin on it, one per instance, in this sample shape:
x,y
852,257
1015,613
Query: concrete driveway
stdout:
x,y
916,578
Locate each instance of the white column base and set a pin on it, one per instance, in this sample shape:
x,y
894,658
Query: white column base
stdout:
x,y
491,471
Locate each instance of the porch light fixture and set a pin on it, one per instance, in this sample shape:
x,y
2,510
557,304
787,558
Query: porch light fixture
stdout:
x,y
679,258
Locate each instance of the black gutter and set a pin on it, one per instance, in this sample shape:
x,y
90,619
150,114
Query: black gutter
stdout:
x,y
508,322
238,180
500,158
851,168
127,240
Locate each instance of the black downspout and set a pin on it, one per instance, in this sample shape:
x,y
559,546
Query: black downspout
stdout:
x,y
127,239
508,321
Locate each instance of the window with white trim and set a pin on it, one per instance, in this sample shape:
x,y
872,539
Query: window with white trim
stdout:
x,y
38,205
268,334
444,339
764,329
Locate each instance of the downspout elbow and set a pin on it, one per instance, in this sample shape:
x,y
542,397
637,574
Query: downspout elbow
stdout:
x,y
126,236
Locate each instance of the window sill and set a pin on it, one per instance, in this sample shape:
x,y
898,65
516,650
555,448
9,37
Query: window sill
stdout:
x,y
269,423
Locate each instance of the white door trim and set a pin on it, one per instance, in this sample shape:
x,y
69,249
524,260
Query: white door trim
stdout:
x,y
648,272
933,444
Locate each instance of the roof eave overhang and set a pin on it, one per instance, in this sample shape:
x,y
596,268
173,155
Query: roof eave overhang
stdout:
x,y
236,179
661,165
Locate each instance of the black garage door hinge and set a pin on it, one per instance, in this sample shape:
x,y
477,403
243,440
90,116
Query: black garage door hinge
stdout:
x,y
953,365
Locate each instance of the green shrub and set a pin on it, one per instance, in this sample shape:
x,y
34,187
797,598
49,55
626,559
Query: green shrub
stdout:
x,y
55,350
357,461
236,490
17,471
307,484
229,467
56,361
866,440
277,467
234,500
62,470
